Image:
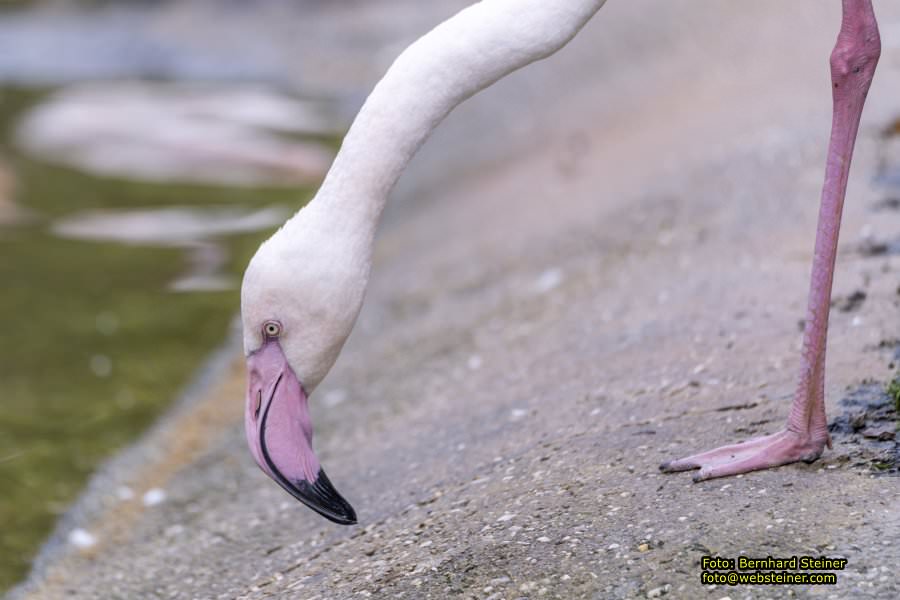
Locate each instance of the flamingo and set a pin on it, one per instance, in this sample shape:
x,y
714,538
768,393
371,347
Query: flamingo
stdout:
x,y
304,288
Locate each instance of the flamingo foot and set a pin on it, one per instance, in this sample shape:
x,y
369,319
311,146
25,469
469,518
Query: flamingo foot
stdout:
x,y
853,62
764,452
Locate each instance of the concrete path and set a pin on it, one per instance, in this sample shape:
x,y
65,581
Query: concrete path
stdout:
x,y
597,265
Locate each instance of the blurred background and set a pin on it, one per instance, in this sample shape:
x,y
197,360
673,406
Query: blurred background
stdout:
x,y
147,147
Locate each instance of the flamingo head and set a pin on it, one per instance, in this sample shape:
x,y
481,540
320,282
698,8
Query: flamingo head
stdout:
x,y
298,305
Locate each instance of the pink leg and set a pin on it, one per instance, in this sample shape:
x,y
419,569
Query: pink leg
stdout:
x,y
806,433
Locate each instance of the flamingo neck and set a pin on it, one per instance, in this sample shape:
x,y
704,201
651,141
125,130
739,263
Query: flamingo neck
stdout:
x,y
461,56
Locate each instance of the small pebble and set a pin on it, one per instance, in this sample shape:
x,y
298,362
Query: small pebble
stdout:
x,y
548,280
335,397
81,538
154,496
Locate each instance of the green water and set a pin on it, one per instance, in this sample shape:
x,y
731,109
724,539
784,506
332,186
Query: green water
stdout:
x,y
66,302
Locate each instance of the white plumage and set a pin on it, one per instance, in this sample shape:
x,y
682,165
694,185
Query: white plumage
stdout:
x,y
312,274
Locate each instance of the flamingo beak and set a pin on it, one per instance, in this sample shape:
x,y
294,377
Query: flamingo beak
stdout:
x,y
279,432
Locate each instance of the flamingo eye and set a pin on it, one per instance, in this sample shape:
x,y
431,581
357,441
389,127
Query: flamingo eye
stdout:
x,y
272,329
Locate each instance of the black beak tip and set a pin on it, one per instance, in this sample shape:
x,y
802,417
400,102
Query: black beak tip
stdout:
x,y
321,496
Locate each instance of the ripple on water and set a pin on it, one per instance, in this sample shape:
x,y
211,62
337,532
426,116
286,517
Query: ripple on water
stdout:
x,y
206,133
193,229
168,226
101,348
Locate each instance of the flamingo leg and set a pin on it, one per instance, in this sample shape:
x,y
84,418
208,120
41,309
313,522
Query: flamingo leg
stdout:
x,y
805,435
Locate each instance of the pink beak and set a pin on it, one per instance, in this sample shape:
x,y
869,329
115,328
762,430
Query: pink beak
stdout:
x,y
279,432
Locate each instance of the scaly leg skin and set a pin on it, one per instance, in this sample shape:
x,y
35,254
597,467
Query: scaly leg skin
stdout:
x,y
806,434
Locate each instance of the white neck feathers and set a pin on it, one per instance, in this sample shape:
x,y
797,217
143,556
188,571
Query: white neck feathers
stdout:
x,y
312,274
461,56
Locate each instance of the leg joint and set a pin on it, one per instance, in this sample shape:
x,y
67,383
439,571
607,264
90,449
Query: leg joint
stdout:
x,y
858,45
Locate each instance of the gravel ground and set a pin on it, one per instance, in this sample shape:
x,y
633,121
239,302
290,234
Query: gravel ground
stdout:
x,y
551,322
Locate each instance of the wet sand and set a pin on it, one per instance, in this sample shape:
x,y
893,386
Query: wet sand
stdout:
x,y
548,322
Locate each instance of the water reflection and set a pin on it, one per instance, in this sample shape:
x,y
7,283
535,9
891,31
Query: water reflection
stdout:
x,y
171,226
94,343
219,134
192,229
9,212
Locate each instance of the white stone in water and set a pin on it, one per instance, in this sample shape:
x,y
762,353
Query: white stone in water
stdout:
x,y
154,496
506,517
107,322
518,413
101,365
474,363
82,538
123,492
